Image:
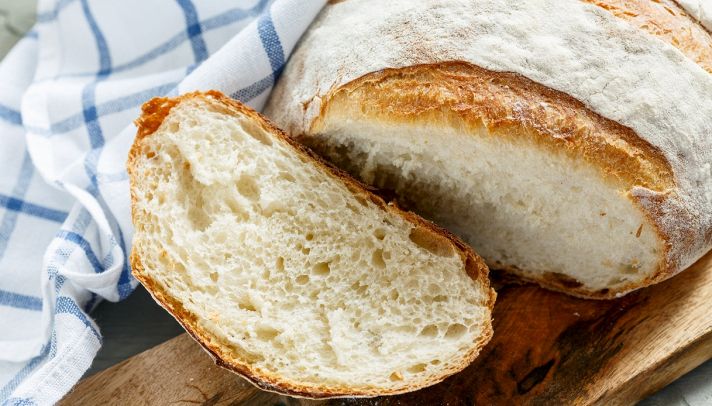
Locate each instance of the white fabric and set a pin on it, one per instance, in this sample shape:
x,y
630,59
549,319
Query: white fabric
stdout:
x,y
68,94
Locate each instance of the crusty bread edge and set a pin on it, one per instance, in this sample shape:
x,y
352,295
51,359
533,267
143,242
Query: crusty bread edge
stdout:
x,y
153,114
662,179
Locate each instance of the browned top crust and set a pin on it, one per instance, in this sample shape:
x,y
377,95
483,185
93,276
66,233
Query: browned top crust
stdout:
x,y
508,105
153,114
669,22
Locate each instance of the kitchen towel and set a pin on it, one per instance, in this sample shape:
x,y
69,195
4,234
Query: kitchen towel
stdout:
x,y
69,91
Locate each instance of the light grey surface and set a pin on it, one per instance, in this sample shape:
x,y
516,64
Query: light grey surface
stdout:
x,y
130,327
138,323
694,388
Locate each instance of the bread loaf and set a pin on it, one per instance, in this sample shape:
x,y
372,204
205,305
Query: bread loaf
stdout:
x,y
288,271
701,10
569,142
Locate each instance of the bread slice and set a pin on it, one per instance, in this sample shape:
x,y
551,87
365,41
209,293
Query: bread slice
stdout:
x,y
286,270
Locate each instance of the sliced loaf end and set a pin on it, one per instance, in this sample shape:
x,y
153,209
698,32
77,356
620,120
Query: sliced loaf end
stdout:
x,y
539,185
288,271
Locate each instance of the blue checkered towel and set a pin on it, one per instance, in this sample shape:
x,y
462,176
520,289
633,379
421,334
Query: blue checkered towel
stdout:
x,y
68,93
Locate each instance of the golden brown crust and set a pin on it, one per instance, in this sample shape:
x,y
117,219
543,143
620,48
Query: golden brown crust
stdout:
x,y
507,105
669,22
153,114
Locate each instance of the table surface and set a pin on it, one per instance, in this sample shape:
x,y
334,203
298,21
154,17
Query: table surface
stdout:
x,y
138,323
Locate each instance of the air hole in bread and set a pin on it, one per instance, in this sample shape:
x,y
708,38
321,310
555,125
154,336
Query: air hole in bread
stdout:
x,y
321,269
355,256
405,330
377,259
251,357
246,305
255,132
359,288
302,279
267,333
322,203
269,208
431,242
431,330
288,287
220,238
287,176
247,187
455,331
237,210
417,368
199,218
353,208
379,233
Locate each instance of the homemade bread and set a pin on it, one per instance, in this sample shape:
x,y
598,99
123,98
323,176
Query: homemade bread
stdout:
x,y
288,271
569,142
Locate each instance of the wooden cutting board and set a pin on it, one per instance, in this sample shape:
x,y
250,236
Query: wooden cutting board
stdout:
x,y
547,348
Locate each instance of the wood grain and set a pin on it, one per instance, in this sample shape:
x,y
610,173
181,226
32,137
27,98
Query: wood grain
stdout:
x,y
548,348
